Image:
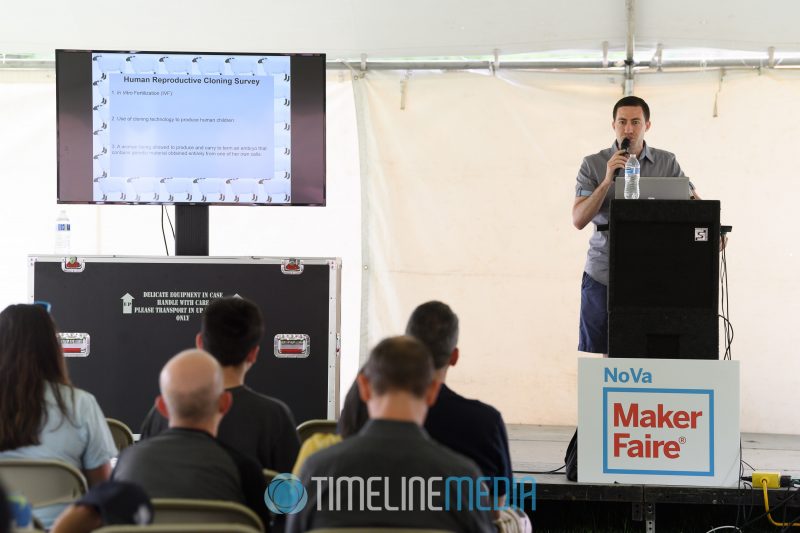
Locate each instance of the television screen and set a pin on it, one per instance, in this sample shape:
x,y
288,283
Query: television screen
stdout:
x,y
190,128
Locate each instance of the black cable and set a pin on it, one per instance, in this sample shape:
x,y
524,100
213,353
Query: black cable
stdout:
x,y
741,475
785,509
163,232
772,510
170,223
725,306
542,473
728,328
729,338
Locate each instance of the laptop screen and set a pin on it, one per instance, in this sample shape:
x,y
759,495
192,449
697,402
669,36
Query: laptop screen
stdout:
x,y
657,188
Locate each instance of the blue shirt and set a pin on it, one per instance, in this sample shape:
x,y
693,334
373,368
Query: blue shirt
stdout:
x,y
81,439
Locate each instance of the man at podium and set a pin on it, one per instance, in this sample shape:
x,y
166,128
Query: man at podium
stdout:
x,y
593,194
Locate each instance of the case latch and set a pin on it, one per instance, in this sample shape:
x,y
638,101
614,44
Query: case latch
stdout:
x,y
292,345
75,344
292,267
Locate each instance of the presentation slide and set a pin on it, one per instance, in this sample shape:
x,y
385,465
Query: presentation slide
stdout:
x,y
201,129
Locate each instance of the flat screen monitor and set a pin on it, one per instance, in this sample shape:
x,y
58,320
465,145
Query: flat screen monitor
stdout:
x,y
190,128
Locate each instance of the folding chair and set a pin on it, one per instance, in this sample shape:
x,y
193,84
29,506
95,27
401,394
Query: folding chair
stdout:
x,y
185,511
269,475
43,482
309,427
121,433
374,530
179,528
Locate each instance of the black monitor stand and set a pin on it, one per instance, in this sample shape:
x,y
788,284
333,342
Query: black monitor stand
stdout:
x,y
191,230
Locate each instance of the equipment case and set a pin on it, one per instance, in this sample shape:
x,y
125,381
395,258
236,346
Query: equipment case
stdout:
x,y
121,318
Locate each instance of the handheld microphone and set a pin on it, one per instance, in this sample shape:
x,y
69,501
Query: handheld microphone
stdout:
x,y
624,145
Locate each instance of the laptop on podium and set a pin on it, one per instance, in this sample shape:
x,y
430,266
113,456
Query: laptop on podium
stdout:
x,y
656,188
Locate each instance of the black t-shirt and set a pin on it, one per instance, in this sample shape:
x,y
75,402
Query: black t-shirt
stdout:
x,y
257,426
190,463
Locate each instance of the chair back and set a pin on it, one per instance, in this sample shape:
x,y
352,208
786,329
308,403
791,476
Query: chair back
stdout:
x,y
374,530
185,511
269,475
179,528
309,427
121,433
43,482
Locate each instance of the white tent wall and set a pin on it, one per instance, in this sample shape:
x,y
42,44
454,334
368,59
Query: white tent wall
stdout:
x,y
28,204
468,193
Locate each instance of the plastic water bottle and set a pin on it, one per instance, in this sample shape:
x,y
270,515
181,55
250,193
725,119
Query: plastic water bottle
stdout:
x,y
632,178
62,234
21,512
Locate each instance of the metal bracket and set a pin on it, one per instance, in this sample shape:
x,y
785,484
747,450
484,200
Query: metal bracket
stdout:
x,y
363,62
495,65
404,90
658,57
637,511
650,517
771,55
605,54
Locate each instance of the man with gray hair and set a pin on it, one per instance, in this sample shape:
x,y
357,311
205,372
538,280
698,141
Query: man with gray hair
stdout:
x,y
186,460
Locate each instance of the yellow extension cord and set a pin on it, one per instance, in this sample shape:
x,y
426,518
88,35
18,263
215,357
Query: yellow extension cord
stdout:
x,y
766,508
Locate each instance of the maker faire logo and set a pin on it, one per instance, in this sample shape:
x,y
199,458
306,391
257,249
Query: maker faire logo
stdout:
x,y
655,431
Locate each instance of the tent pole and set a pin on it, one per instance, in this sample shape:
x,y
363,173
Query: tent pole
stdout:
x,y
630,11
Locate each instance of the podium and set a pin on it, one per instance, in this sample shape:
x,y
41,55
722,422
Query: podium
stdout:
x,y
663,289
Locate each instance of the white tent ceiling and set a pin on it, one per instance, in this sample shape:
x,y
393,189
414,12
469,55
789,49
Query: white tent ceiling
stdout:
x,y
383,28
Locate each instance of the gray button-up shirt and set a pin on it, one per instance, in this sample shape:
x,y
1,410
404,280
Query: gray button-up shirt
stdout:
x,y
654,163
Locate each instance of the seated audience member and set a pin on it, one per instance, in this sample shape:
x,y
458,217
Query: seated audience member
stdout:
x,y
469,427
5,512
398,385
256,425
186,460
352,418
107,504
42,416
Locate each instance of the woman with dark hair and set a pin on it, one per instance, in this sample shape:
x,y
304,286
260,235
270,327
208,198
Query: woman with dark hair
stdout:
x,y
42,416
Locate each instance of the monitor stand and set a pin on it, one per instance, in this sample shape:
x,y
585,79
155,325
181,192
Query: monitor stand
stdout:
x,y
191,230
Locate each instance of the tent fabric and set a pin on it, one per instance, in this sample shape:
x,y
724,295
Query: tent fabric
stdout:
x,y
467,199
412,28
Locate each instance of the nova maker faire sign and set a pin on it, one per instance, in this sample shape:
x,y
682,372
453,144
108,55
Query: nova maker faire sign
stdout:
x,y
658,421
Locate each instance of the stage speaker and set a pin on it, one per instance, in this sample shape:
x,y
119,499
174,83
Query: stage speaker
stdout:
x,y
664,279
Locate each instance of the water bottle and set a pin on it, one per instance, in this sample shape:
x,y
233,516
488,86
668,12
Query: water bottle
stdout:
x,y
62,234
21,512
632,178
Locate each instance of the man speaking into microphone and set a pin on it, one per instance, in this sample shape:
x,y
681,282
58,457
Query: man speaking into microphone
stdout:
x,y
593,194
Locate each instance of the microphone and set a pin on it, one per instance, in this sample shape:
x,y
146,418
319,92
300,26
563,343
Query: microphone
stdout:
x,y
626,143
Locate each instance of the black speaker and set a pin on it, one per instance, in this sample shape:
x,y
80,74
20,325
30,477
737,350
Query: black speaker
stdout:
x,y
664,279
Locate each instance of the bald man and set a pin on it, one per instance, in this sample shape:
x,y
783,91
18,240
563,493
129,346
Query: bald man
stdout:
x,y
187,460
